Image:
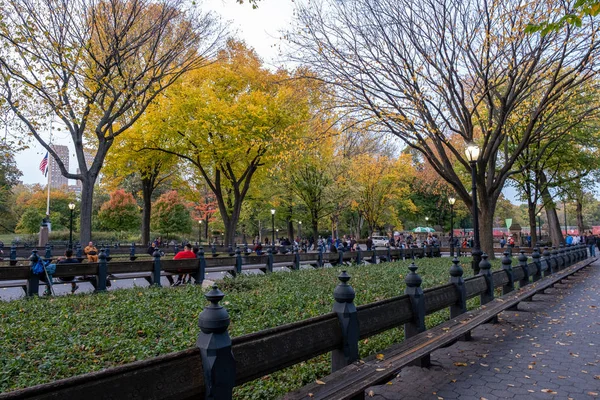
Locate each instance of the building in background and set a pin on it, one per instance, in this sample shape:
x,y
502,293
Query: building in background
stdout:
x,y
57,180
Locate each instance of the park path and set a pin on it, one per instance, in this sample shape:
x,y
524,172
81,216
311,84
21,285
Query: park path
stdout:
x,y
548,349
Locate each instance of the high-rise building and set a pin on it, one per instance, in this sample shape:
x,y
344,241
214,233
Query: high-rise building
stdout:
x,y
57,180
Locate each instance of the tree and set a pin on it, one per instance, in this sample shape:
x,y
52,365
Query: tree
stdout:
x,y
120,213
150,168
440,74
231,120
34,198
9,178
171,214
95,66
379,185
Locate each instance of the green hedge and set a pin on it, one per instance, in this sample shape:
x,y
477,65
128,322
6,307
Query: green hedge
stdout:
x,y
52,338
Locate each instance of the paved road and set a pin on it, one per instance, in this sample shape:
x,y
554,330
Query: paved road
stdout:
x,y
549,349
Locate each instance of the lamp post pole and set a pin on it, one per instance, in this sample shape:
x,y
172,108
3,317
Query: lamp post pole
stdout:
x,y
273,227
300,229
472,153
199,232
71,207
451,201
565,212
539,215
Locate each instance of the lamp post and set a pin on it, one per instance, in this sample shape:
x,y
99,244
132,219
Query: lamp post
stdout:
x,y
539,215
451,201
300,229
71,207
565,213
472,152
426,221
199,231
273,227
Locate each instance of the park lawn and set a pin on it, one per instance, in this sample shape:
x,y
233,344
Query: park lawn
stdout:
x,y
45,339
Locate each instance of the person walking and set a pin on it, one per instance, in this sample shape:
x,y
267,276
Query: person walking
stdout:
x,y
590,241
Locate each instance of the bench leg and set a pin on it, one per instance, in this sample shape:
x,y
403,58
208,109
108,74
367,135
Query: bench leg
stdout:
x,y
423,362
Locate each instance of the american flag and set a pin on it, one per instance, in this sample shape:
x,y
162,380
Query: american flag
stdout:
x,y
44,165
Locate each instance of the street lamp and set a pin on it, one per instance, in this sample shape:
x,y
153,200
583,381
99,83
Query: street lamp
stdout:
x,y
451,201
426,221
472,152
539,215
71,207
272,227
300,229
199,231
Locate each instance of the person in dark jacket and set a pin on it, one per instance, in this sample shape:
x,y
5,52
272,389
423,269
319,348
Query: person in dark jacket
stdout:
x,y
69,260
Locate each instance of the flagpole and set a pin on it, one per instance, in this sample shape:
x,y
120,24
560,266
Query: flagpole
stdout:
x,y
48,199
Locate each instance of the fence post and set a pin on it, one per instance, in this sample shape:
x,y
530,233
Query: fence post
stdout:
x,y
201,274
78,251
296,258
456,273
132,256
562,264
358,255
48,253
218,363
547,261
102,272
340,255
155,278
270,259
13,255
554,259
507,268
525,267
485,271
389,255
346,312
417,300
213,249
230,250
33,282
538,264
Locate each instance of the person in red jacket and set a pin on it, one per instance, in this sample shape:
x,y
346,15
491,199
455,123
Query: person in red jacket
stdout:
x,y
187,253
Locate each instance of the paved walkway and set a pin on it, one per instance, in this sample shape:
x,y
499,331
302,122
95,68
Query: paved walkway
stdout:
x,y
548,349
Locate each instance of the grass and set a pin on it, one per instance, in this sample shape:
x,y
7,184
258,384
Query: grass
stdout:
x,y
46,339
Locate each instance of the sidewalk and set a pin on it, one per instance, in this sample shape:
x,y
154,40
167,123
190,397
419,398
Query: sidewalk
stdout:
x,y
549,349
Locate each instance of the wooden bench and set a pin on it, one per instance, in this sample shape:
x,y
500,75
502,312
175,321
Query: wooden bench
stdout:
x,y
351,381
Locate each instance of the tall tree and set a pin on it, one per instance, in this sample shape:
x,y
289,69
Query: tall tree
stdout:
x,y
95,66
438,74
230,120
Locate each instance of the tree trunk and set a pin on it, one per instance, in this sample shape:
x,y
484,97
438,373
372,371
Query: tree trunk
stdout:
x,y
85,218
147,190
579,212
230,231
532,225
314,221
290,229
486,227
553,224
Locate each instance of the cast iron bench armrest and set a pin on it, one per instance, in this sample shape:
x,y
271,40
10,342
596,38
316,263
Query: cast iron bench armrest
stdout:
x,y
350,382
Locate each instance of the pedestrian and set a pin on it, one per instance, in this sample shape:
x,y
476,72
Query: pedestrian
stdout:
x,y
590,241
502,242
369,244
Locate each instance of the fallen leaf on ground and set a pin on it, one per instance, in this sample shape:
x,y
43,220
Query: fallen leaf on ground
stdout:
x,y
320,382
371,393
549,391
380,356
460,364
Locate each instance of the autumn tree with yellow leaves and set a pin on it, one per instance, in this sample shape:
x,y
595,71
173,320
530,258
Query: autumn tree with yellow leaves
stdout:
x,y
232,120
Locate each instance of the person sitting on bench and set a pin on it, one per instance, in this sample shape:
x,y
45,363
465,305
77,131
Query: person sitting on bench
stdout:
x,y
69,260
91,252
187,253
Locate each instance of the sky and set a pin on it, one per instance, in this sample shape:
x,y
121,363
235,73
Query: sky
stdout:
x,y
259,28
